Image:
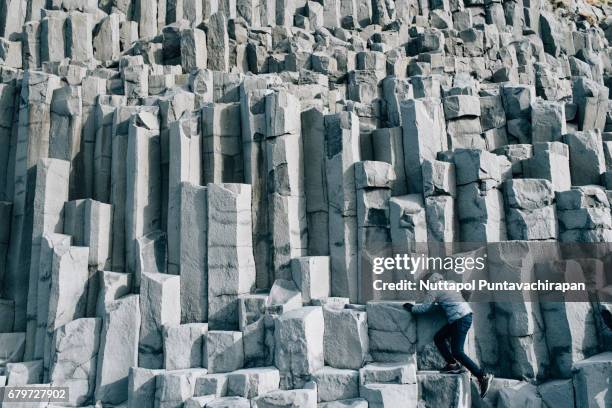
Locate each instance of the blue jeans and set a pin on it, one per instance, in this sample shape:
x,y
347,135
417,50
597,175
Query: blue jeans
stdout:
x,y
455,333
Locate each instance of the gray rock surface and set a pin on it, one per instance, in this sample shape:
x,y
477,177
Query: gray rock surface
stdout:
x,y
194,196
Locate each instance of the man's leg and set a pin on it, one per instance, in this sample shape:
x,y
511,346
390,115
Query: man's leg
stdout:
x,y
460,330
440,340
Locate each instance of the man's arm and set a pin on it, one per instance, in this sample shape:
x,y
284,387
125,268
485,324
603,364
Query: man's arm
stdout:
x,y
426,305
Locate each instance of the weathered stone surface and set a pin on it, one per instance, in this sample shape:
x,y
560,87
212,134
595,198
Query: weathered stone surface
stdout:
x,y
231,267
118,337
183,345
444,390
253,382
589,377
311,274
392,332
383,373
346,338
159,306
298,359
419,143
192,251
383,395
224,351
306,398
73,361
587,162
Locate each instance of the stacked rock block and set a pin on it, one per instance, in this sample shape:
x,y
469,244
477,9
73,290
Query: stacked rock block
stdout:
x,y
192,195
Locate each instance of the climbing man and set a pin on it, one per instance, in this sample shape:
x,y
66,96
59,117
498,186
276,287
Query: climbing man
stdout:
x,y
459,320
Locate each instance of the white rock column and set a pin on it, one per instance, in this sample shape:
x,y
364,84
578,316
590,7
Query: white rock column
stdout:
x,y
222,143
51,244
184,160
231,267
160,305
342,152
74,357
299,345
193,253
317,205
143,185
49,196
68,292
32,144
252,111
285,175
118,349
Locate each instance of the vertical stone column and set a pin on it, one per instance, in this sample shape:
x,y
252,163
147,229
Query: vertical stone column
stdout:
x,y
342,152
143,186
222,143
74,354
30,44
65,134
184,160
32,144
252,110
480,205
315,189
388,146
172,106
285,175
118,349
193,49
13,16
68,293
7,106
373,181
135,82
52,38
439,189
297,361
420,143
217,43
250,11
118,179
106,43
6,208
51,244
104,120
91,88
146,16
89,223
192,238
231,266
79,41
160,305
49,196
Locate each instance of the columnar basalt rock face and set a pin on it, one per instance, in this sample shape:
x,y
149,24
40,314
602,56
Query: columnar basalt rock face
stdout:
x,y
193,196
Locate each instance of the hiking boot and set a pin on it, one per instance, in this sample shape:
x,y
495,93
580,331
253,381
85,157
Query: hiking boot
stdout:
x,y
484,383
454,368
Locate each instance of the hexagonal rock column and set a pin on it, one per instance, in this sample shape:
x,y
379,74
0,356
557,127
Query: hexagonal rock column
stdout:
x,y
49,195
160,305
144,184
32,144
231,267
342,152
118,349
285,175
299,345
